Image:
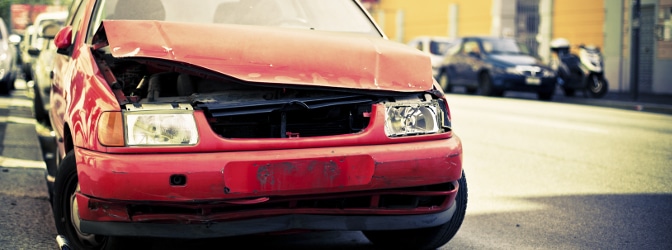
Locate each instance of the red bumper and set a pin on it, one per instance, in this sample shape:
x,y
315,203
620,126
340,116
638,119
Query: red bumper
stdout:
x,y
229,186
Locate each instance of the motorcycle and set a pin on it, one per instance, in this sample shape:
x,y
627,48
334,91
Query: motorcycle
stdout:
x,y
584,72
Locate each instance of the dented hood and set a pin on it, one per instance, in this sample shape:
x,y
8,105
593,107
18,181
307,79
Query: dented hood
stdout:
x,y
276,55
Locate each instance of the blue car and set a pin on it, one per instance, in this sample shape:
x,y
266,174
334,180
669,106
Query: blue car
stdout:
x,y
490,66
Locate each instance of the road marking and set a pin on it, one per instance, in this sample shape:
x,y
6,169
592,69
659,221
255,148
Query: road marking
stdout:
x,y
17,120
20,163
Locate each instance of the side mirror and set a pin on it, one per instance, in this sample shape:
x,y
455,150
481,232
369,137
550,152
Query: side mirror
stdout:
x,y
49,30
14,39
63,40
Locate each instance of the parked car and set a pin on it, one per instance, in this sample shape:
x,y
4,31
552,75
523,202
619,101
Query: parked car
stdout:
x,y
203,119
32,42
39,87
436,47
8,60
492,65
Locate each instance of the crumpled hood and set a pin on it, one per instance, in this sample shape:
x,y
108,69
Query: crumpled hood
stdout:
x,y
276,55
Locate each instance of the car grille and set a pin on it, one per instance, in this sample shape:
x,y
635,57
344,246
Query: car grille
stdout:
x,y
290,118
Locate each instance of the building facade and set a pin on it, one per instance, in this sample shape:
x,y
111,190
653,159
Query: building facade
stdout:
x,y
604,23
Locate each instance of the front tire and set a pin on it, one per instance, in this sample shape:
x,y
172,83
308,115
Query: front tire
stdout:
x,y
444,82
65,208
486,88
597,86
424,238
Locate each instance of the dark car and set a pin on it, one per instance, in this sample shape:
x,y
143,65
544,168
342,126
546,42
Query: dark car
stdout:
x,y
491,65
199,119
39,85
8,59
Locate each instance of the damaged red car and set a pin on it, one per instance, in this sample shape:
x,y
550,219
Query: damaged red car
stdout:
x,y
208,119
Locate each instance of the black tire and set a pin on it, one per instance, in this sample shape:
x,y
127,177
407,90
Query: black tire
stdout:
x,y
6,86
545,96
485,86
40,114
424,238
597,86
444,82
65,187
569,92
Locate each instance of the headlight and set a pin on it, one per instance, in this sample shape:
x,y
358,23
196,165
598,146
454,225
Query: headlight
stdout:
x,y
412,119
160,129
548,73
513,71
147,128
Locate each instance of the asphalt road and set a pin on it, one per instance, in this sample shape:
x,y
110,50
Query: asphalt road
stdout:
x,y
541,175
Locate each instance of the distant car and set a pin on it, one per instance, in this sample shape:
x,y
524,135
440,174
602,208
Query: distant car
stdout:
x,y
42,71
435,46
32,43
199,119
8,60
491,65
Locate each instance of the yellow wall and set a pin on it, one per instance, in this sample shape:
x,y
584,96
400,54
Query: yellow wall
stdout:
x,y
430,17
579,21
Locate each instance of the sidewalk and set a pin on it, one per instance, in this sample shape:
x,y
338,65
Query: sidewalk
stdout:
x,y
655,103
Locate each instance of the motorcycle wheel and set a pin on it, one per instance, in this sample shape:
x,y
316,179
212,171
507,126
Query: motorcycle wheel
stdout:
x,y
597,86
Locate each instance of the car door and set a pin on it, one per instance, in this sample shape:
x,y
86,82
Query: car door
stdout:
x,y
472,61
64,69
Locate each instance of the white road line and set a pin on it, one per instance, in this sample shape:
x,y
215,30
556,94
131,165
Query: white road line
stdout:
x,y
20,163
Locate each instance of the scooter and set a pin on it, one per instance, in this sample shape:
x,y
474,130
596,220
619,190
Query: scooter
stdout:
x,y
584,72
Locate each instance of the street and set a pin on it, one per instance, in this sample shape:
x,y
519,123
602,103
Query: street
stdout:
x,y
541,175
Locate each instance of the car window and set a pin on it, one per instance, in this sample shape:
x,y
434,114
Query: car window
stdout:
x,y
471,47
503,46
76,14
439,47
336,15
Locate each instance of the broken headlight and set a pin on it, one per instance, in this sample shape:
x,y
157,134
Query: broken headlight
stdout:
x,y
154,127
412,119
160,129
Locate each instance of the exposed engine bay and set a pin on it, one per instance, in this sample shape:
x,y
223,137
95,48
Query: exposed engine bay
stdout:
x,y
240,109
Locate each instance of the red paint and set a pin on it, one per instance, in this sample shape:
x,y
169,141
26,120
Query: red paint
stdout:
x,y
301,57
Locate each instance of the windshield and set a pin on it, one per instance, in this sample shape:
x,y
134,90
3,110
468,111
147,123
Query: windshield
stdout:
x,y
440,47
504,46
334,15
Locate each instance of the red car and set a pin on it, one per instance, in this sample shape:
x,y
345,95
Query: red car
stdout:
x,y
216,118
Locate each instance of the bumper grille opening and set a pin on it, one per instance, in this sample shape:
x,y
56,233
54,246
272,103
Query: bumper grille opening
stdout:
x,y
407,200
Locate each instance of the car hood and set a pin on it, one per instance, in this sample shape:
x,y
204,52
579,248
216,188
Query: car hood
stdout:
x,y
513,60
276,55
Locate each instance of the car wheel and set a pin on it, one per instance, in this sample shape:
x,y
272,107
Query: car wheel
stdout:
x,y
41,115
597,86
5,86
485,86
424,238
545,96
444,81
569,92
64,205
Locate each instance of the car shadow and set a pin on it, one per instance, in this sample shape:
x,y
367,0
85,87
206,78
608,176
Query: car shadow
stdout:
x,y
618,221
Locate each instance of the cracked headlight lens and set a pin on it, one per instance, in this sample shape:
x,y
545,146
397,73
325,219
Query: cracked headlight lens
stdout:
x,y
404,120
145,129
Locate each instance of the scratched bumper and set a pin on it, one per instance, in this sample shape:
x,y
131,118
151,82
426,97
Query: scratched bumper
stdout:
x,y
270,224
407,180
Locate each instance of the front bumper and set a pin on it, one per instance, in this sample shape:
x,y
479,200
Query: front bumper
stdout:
x,y
524,83
394,186
270,224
